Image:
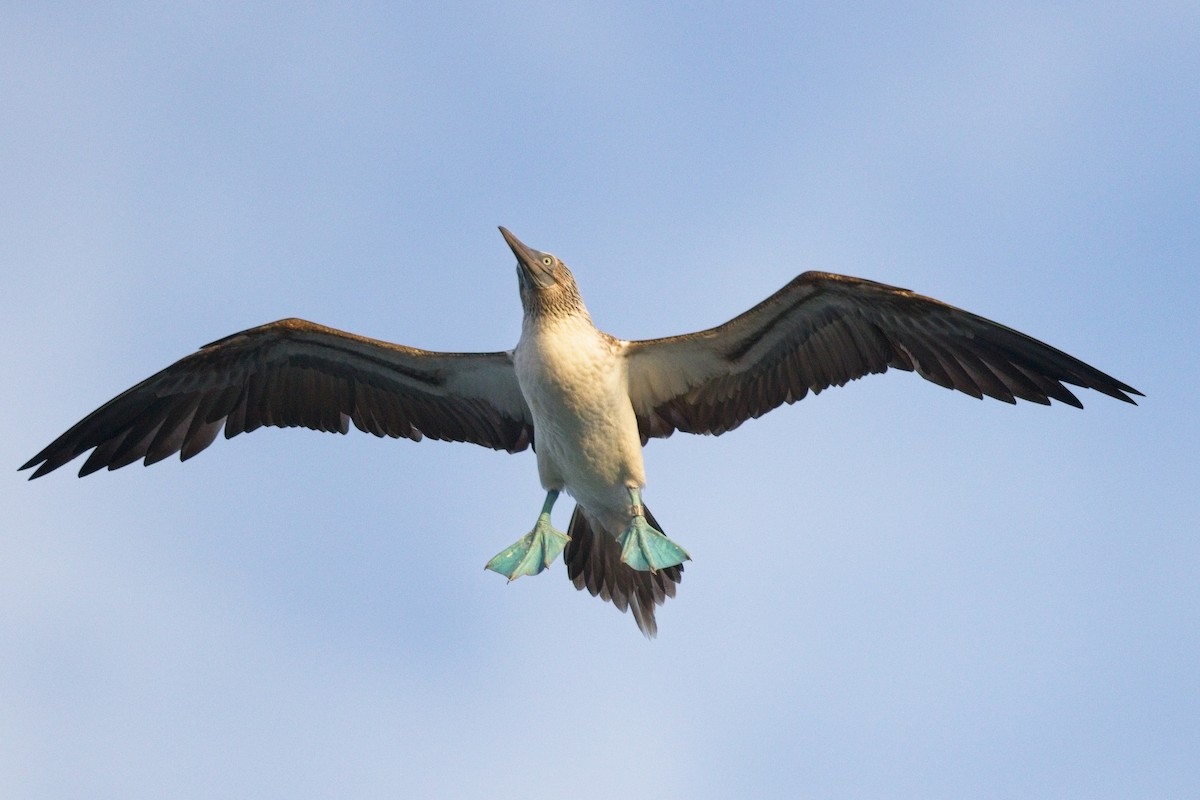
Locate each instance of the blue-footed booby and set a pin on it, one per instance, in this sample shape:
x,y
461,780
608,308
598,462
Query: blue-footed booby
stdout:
x,y
586,401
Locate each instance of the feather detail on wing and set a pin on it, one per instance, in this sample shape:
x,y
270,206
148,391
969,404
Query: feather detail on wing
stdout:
x,y
294,373
824,330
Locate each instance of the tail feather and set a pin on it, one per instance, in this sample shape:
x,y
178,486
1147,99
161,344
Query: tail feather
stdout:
x,y
593,558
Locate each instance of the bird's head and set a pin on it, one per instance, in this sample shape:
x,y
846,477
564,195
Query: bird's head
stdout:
x,y
547,286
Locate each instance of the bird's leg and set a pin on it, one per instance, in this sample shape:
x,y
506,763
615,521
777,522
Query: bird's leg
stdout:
x,y
534,551
645,548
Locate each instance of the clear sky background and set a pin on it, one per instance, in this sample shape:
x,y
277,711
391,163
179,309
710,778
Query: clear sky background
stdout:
x,y
897,591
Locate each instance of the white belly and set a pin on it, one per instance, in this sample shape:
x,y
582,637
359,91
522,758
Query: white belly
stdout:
x,y
585,431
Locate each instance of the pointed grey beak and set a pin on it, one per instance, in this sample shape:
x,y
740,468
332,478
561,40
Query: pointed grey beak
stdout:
x,y
532,266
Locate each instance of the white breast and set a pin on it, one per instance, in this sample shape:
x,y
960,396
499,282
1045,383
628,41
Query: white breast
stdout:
x,y
585,432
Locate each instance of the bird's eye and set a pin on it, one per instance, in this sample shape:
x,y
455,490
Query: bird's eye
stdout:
x,y
548,261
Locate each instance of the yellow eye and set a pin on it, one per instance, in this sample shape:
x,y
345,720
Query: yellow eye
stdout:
x,y
548,261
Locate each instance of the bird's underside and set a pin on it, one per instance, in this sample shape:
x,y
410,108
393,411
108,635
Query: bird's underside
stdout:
x,y
820,330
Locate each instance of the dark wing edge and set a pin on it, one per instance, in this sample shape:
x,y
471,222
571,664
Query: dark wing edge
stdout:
x,y
825,330
294,373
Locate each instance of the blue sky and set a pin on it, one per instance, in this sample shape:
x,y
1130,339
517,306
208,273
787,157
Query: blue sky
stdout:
x,y
897,591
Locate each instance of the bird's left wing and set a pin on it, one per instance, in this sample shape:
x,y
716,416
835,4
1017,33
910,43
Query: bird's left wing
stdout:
x,y
824,330
297,373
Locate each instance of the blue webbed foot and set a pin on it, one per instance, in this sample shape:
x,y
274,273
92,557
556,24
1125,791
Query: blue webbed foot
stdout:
x,y
647,549
534,551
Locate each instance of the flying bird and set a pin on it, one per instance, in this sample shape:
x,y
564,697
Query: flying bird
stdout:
x,y
586,401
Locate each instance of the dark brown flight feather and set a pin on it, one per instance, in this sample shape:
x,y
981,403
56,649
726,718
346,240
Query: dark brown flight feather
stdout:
x,y
294,373
825,330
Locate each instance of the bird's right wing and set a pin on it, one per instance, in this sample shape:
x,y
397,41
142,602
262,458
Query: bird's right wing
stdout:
x,y
295,373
